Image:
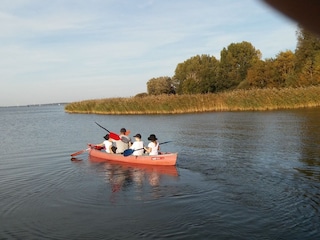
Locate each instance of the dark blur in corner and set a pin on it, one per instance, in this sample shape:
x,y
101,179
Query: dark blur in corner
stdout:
x,y
305,12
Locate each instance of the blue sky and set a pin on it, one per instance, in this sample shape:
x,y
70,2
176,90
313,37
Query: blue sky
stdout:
x,y
72,50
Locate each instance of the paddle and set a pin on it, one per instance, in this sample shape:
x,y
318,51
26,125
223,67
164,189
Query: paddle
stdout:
x,y
97,147
114,135
111,134
79,152
129,151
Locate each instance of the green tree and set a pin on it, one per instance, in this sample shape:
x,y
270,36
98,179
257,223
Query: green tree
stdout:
x,y
284,65
234,64
159,85
197,74
307,58
261,74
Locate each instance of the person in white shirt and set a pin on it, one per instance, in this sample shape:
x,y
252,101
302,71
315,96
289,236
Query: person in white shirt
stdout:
x,y
153,147
137,145
107,143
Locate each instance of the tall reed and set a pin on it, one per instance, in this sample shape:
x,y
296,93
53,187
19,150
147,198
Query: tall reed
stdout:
x,y
237,100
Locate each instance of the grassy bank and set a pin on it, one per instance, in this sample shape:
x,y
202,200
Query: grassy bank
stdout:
x,y
238,100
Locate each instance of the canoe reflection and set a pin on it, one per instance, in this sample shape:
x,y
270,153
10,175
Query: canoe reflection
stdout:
x,y
122,175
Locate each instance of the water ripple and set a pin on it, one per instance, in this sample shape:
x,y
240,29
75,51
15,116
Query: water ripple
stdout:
x,y
252,175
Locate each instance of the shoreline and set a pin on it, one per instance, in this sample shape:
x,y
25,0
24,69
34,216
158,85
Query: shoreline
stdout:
x,y
236,100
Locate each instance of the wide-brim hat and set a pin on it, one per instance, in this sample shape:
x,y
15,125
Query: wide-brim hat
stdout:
x,y
152,137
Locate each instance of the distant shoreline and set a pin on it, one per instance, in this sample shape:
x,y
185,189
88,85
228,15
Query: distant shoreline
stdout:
x,y
237,100
35,105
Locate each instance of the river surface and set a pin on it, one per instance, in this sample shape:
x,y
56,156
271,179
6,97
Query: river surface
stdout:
x,y
239,175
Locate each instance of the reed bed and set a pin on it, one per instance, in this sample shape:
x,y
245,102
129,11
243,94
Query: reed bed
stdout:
x,y
237,100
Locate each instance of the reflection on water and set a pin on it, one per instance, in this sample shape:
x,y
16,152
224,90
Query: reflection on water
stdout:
x,y
141,178
310,142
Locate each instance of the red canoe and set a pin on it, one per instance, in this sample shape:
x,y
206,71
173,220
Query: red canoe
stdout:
x,y
148,169
163,159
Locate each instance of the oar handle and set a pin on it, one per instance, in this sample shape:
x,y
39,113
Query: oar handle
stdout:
x,y
102,127
112,135
164,142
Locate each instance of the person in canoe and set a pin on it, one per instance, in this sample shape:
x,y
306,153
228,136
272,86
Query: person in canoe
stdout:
x,y
107,144
124,142
137,146
153,147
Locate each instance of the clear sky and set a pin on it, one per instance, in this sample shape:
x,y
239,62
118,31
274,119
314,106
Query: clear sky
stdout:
x,y
70,50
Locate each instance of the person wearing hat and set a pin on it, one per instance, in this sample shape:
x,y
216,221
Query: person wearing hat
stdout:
x,y
107,144
153,147
124,143
137,145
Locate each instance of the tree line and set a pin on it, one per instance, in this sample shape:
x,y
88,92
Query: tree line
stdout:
x,y
241,67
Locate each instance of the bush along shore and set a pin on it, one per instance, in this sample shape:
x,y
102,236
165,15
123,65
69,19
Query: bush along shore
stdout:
x,y
237,100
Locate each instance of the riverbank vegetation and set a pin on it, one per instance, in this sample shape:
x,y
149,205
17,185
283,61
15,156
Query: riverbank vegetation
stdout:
x,y
240,80
237,100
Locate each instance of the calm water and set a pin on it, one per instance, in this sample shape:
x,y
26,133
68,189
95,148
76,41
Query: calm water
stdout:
x,y
240,175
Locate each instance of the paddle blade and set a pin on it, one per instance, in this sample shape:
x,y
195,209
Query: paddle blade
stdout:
x,y
114,136
79,152
125,140
128,152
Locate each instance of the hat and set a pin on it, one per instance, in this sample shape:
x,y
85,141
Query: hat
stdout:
x,y
138,135
123,130
106,137
152,137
